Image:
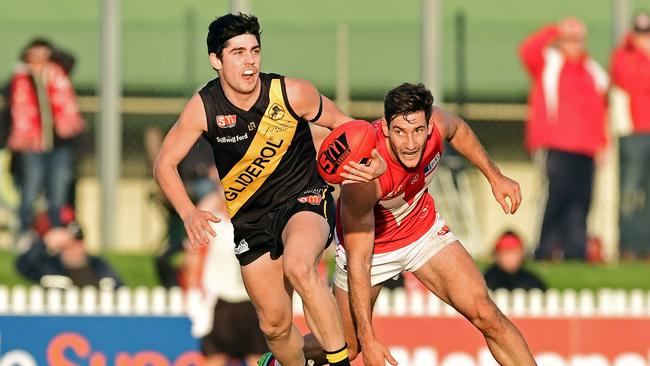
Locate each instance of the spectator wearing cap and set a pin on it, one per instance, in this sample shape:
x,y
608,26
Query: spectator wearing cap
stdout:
x,y
60,259
630,71
565,130
507,271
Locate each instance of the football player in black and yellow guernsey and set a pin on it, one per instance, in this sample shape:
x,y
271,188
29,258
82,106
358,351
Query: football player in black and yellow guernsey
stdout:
x,y
281,209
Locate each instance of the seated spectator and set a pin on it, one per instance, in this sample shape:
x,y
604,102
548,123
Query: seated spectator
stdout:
x,y
60,259
507,271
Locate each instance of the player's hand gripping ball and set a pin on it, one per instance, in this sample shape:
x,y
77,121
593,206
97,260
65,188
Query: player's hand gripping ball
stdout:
x,y
351,141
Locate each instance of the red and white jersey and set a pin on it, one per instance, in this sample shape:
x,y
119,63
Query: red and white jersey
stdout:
x,y
406,210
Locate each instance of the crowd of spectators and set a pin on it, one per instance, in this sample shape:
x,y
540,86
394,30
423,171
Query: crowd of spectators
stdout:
x,y
567,135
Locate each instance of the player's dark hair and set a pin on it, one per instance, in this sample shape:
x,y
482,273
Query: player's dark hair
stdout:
x,y
407,98
228,26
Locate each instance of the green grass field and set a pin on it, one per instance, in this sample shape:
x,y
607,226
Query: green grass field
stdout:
x,y
164,48
138,270
135,269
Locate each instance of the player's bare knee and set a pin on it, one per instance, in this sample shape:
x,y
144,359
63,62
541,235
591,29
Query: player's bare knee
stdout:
x,y
300,274
276,329
486,316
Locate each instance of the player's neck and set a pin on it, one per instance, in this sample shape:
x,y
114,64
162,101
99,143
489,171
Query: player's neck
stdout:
x,y
243,101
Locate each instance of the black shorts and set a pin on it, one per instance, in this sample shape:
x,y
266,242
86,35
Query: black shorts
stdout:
x,y
235,331
255,239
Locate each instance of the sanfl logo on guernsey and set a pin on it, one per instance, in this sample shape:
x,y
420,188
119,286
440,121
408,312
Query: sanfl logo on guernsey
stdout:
x,y
227,121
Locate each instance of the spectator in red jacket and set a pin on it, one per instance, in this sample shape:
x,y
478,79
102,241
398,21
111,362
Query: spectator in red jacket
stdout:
x,y
45,119
631,72
565,130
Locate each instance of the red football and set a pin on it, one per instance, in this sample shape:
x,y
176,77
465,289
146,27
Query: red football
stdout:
x,y
351,141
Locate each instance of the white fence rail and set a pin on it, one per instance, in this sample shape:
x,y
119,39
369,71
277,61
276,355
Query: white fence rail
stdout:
x,y
157,301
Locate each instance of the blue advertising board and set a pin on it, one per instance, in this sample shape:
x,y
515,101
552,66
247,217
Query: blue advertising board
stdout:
x,y
97,341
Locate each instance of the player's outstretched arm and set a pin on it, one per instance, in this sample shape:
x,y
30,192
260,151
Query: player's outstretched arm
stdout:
x,y
358,220
177,143
463,139
306,101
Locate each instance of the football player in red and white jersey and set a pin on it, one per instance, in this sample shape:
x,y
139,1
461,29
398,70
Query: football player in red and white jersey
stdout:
x,y
390,225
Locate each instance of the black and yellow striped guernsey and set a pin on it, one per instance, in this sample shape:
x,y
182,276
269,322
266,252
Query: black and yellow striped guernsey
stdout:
x,y
265,156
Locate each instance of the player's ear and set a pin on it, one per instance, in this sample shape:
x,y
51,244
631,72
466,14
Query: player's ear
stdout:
x,y
384,127
215,61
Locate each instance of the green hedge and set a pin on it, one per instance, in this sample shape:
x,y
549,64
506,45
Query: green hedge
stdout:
x,y
138,270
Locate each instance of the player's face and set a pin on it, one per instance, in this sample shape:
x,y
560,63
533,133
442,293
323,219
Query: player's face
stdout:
x,y
239,65
407,137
